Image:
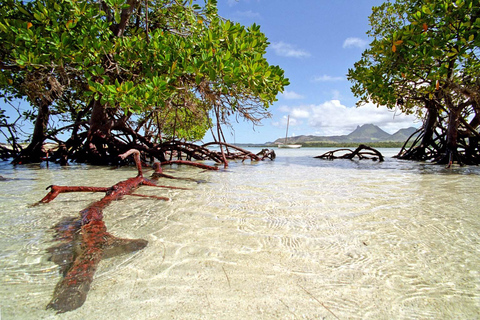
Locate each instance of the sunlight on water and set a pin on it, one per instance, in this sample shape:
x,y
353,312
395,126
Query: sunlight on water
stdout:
x,y
294,238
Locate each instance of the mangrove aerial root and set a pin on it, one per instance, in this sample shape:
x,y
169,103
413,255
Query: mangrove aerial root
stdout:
x,y
362,152
242,154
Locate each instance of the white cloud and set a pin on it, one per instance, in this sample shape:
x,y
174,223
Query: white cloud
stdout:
x,y
355,42
328,78
333,118
300,113
291,95
293,121
287,50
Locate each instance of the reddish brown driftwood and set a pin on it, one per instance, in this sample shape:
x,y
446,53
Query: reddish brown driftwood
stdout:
x,y
159,173
56,190
370,153
88,240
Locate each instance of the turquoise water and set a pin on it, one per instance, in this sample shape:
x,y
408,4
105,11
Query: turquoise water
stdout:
x,y
294,238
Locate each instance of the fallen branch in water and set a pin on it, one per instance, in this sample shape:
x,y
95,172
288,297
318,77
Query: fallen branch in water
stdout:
x,y
370,153
159,173
320,302
87,241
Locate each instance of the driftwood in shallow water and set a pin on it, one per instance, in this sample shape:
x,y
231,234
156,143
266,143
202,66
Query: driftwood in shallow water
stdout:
x,y
159,171
267,153
83,246
86,240
362,152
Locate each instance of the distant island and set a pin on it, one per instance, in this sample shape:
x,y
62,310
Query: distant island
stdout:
x,y
368,134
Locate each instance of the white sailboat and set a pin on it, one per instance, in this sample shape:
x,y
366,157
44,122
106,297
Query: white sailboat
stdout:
x,y
285,145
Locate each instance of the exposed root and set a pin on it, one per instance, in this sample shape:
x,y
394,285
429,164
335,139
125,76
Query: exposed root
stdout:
x,y
370,153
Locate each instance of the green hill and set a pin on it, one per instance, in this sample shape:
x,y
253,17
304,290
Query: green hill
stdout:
x,y
367,133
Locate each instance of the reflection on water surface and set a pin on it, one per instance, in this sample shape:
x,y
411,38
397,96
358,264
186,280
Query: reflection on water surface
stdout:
x,y
289,239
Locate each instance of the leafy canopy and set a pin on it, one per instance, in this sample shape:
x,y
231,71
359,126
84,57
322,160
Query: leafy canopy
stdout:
x,y
421,50
161,59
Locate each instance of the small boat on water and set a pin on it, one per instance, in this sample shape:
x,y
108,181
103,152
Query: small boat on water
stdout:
x,y
290,146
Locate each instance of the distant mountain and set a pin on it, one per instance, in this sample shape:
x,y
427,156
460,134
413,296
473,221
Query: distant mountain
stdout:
x,y
368,133
404,134
362,134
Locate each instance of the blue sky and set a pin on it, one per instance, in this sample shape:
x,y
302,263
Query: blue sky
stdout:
x,y
315,42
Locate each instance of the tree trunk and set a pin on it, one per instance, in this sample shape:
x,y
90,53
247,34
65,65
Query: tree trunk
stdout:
x,y
429,125
451,152
34,151
98,132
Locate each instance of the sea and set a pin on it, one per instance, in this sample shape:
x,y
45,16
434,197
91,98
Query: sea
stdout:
x,y
294,238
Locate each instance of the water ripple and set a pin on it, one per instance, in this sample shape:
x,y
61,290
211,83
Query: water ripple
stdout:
x,y
293,238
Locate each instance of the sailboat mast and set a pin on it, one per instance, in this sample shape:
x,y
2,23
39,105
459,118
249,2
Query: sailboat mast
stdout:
x,y
286,135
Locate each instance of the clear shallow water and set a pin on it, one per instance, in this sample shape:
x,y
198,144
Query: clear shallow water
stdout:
x,y
296,238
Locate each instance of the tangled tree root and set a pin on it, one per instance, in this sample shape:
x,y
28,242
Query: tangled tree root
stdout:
x,y
370,153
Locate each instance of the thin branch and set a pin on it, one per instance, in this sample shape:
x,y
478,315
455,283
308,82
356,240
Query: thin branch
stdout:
x,y
320,302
